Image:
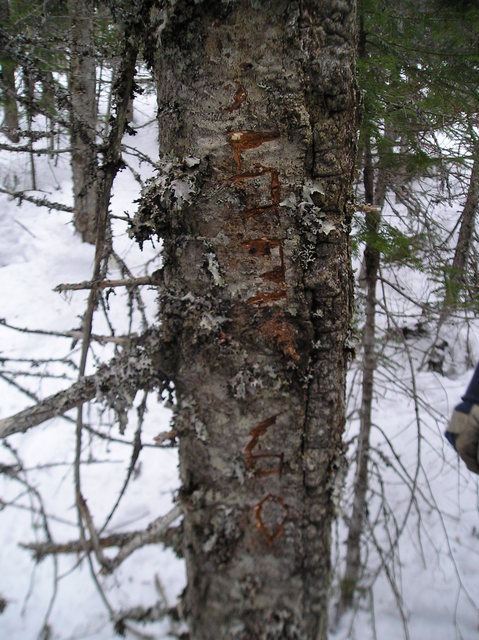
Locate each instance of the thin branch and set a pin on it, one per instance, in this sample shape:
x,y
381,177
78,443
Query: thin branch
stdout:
x,y
133,370
106,284
157,528
27,149
158,531
40,202
75,334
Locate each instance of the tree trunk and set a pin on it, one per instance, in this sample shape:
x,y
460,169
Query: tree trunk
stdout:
x,y
83,118
457,277
10,125
257,129
374,195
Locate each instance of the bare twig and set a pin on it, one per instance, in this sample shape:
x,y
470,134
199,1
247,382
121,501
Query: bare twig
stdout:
x,y
158,531
106,284
133,370
40,202
75,334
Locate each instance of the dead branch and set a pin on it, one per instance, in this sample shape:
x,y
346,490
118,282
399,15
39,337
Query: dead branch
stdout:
x,y
367,208
123,375
106,284
40,202
142,614
51,407
26,148
75,334
158,531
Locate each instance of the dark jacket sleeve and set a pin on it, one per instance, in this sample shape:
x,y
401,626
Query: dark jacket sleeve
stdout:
x,y
472,391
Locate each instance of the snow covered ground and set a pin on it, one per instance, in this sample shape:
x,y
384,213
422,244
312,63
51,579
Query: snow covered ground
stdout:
x,y
39,250
423,503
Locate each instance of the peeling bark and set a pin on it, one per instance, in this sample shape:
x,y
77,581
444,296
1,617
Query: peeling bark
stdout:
x,y
257,130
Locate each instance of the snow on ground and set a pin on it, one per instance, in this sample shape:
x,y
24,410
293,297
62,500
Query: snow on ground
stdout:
x,y
39,250
430,589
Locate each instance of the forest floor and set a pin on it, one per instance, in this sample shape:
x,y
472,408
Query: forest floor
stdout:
x,y
422,560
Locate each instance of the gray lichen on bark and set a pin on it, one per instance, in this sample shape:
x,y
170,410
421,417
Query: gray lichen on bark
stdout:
x,y
263,95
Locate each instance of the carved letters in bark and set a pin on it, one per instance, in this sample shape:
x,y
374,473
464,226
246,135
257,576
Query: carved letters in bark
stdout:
x,y
271,512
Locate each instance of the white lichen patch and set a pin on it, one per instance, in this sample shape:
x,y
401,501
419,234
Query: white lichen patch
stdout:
x,y
311,187
326,226
214,269
290,202
192,162
182,191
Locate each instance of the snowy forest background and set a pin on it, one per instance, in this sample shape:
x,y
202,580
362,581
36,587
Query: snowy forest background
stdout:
x,y
416,332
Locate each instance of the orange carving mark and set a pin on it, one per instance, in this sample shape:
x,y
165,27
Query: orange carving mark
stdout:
x,y
242,141
275,187
238,99
256,433
279,332
265,298
275,191
270,535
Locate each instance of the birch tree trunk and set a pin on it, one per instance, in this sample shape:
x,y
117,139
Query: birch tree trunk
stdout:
x,y
83,118
257,130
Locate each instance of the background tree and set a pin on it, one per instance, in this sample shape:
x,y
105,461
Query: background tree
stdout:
x,y
417,90
83,116
10,119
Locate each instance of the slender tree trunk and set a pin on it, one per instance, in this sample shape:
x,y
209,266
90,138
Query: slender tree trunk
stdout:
x,y
10,125
257,119
30,108
83,117
371,268
457,278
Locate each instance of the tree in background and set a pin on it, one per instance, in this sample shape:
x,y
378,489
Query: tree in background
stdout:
x,y
82,87
417,89
10,124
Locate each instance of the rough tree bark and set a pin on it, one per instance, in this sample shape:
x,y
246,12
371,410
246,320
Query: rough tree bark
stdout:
x,y
83,118
257,130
